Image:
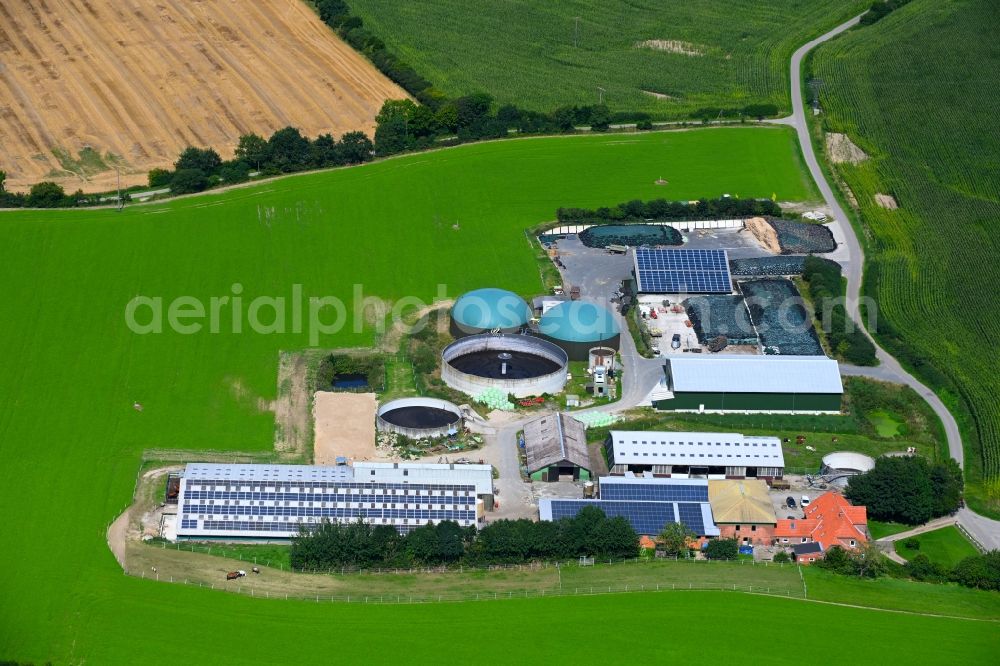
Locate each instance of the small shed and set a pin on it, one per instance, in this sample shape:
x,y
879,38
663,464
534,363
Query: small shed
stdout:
x,y
556,446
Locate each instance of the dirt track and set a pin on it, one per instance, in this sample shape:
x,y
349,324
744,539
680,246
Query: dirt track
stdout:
x,y
141,81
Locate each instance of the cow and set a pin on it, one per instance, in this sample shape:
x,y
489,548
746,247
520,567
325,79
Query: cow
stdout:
x,y
255,570
232,575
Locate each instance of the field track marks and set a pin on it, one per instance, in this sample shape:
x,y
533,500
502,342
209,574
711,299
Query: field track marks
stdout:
x,y
144,80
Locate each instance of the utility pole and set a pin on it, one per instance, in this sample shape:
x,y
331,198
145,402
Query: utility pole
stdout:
x,y
576,31
121,202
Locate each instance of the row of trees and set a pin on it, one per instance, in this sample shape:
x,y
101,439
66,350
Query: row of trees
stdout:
x,y
846,338
662,210
908,489
360,545
286,151
44,195
403,125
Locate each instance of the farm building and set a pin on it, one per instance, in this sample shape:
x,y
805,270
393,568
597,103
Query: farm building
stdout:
x,y
556,446
579,326
839,466
711,455
648,504
746,383
742,509
261,502
485,310
830,520
480,476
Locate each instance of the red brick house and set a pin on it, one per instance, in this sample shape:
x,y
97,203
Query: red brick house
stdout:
x,y
830,520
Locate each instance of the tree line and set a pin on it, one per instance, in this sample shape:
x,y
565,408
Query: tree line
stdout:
x,y
47,195
364,546
286,151
662,210
846,338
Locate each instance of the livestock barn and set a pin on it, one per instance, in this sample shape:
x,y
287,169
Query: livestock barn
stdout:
x,y
264,502
707,455
556,446
746,383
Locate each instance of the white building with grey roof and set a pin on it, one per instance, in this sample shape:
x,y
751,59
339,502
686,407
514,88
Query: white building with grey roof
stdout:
x,y
710,455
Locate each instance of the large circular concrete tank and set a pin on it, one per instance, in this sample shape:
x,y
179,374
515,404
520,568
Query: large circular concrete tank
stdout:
x,y
579,326
485,310
521,365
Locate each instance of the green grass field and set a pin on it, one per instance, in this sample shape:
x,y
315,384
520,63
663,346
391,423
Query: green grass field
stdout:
x,y
523,52
946,546
880,529
70,441
901,91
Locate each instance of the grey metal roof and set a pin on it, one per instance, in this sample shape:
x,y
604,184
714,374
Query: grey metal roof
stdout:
x,y
244,472
481,476
554,438
739,373
656,447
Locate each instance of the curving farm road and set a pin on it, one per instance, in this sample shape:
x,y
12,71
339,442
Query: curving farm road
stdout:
x,y
985,530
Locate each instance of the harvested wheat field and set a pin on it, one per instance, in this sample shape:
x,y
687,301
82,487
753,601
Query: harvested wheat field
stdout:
x,y
87,85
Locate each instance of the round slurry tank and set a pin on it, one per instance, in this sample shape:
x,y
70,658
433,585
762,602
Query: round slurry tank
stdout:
x,y
847,462
419,418
579,326
485,310
517,364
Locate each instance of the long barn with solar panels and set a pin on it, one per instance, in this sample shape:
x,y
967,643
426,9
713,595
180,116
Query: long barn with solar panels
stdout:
x,y
262,502
648,504
663,271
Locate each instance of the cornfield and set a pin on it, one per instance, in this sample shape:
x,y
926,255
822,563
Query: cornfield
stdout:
x,y
916,92
664,58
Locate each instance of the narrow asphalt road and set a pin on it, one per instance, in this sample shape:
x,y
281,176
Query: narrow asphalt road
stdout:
x,y
985,530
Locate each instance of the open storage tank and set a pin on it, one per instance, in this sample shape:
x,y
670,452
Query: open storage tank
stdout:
x,y
517,364
419,418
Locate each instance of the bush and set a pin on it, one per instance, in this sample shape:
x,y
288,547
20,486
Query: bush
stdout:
x,y
781,557
722,549
47,195
186,181
912,544
160,177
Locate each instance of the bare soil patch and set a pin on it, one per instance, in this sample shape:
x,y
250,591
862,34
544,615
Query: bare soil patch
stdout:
x,y
292,425
85,87
886,201
658,95
842,150
671,46
344,426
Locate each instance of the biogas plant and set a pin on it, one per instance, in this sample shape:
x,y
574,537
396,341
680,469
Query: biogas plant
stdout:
x,y
501,346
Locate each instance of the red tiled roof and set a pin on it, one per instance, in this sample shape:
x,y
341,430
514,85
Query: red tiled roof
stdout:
x,y
830,520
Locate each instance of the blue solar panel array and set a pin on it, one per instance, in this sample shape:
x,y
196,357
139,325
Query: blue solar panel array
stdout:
x,y
690,515
682,271
403,506
645,517
653,492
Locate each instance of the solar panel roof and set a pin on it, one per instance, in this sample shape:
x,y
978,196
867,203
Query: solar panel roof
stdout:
x,y
652,490
645,517
682,271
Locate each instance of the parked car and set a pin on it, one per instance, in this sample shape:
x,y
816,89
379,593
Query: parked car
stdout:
x,y
805,501
675,342
790,502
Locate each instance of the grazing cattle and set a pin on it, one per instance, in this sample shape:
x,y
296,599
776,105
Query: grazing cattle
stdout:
x,y
255,570
232,575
